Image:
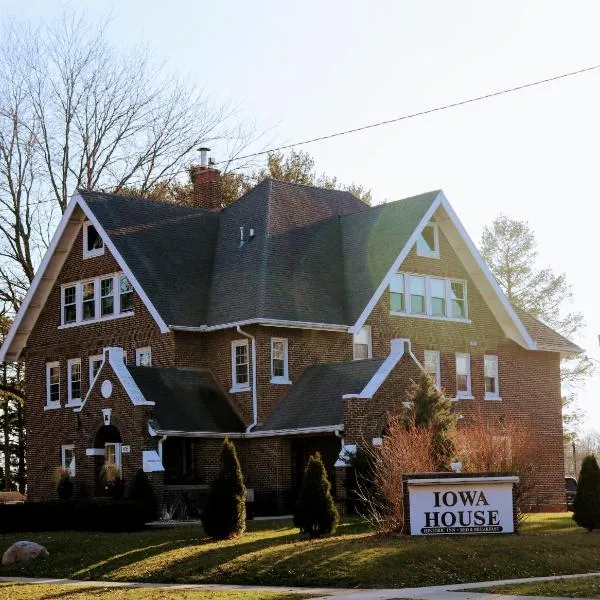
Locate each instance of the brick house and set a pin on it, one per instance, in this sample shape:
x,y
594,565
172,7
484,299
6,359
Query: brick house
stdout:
x,y
290,321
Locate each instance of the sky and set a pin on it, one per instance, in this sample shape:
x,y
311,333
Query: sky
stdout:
x,y
304,69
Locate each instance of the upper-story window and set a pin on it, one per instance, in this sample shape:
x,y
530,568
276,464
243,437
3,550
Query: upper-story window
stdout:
x,y
143,357
431,297
74,381
428,244
490,373
279,361
95,362
93,245
362,344
463,376
53,385
240,366
96,299
431,364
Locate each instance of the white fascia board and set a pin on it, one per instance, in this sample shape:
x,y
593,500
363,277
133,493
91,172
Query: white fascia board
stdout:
x,y
412,240
125,268
263,322
564,353
253,434
463,480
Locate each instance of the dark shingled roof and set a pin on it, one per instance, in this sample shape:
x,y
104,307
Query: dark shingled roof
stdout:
x,y
316,399
186,400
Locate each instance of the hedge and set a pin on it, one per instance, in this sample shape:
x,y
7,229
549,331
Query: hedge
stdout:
x,y
73,515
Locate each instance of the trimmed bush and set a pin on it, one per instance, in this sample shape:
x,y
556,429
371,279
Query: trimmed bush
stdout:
x,y
224,515
586,506
73,515
64,484
141,491
316,514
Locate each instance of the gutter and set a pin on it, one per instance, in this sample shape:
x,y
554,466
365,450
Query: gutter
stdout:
x,y
266,322
235,435
254,395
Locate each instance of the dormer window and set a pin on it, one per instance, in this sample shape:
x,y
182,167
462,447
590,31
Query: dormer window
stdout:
x,y
93,245
428,244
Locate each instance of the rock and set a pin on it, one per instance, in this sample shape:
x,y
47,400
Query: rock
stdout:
x,y
24,552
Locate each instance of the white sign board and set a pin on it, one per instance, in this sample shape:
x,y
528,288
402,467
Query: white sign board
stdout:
x,y
462,505
125,449
152,462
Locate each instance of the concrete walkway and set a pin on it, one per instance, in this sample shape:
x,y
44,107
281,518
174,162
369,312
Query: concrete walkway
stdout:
x,y
440,592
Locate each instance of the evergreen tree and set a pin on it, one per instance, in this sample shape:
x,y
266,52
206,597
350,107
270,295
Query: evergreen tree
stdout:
x,y
316,513
141,491
224,515
586,506
431,408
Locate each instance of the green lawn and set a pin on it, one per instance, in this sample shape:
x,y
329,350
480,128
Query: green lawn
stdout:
x,y
581,587
272,553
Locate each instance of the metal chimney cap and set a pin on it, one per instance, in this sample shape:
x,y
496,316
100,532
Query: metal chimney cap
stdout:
x,y
204,156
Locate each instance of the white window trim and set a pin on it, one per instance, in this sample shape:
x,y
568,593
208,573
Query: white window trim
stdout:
x,y
286,377
467,394
79,321
448,281
370,344
488,395
117,446
437,363
139,352
239,387
71,402
91,359
51,405
424,252
91,253
63,461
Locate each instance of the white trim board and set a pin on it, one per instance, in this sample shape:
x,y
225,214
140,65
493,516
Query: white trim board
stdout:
x,y
251,434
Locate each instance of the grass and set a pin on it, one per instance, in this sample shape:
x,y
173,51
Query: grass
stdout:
x,y
581,587
71,592
272,552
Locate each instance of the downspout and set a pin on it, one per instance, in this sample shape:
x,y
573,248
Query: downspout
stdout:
x,y
160,449
254,397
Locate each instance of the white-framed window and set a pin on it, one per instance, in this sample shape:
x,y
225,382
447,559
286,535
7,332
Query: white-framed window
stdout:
x,y
428,244
431,364
240,366
429,297
94,362
279,361
490,375
143,357
463,376
67,458
99,299
73,382
93,245
362,344
112,454
53,385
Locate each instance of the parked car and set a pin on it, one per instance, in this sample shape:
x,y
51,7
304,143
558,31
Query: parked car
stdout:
x,y
570,490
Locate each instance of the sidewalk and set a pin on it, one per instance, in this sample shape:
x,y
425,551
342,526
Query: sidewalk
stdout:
x,y
440,592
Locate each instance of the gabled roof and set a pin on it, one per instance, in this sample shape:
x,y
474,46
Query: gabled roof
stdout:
x,y
186,400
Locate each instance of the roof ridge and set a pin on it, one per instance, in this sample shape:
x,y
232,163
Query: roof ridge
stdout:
x,y
312,186
144,199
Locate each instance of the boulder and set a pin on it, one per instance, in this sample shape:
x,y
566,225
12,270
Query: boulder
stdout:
x,y
24,552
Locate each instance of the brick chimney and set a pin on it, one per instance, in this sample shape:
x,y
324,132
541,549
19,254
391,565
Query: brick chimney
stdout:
x,y
207,183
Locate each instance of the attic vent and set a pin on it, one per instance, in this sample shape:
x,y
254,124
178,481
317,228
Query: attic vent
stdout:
x,y
250,237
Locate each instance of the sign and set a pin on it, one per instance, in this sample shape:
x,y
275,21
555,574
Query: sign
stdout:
x,y
126,449
461,505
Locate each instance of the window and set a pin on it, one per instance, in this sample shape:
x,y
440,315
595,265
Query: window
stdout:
x,y
73,381
69,304
53,385
430,297
279,361
92,242
67,458
428,244
240,376
125,294
112,454
143,357
362,344
490,373
432,366
463,376
95,363
107,300
102,298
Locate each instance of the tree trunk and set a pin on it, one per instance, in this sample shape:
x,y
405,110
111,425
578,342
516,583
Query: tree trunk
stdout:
x,y
6,432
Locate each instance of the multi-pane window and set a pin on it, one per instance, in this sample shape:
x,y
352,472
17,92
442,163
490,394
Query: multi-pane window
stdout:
x,y
428,243
74,381
92,242
107,299
70,304
432,366
68,458
279,360
240,374
426,296
95,364
53,384
490,373
143,357
126,294
463,375
362,344
88,300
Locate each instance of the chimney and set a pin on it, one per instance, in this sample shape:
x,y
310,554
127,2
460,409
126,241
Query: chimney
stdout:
x,y
207,183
